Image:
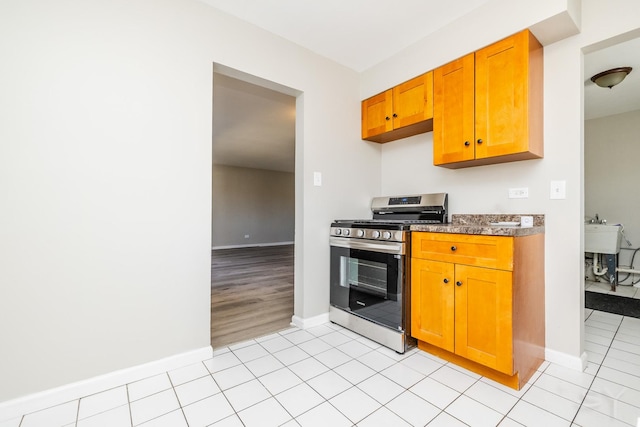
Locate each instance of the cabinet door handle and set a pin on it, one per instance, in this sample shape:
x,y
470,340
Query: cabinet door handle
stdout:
x,y
387,118
479,141
395,115
453,248
458,283
446,280
466,143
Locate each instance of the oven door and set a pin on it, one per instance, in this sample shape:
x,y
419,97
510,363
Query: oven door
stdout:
x,y
367,278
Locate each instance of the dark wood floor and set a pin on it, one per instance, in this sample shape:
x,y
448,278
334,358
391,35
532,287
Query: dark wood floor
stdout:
x,y
251,292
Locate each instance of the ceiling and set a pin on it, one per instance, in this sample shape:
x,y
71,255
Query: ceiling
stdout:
x,y
355,33
255,127
601,102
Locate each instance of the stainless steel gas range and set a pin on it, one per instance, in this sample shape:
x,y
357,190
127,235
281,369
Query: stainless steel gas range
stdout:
x,y
370,292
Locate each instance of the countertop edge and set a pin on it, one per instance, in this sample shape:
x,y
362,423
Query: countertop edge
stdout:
x,y
486,230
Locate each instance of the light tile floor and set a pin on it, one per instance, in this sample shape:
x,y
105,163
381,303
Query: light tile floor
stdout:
x,y
628,291
329,376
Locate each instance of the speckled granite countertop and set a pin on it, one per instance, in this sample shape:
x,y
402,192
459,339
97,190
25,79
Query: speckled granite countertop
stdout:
x,y
481,224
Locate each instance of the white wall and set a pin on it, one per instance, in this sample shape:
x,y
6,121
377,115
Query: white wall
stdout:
x,y
407,165
105,177
256,203
105,170
611,155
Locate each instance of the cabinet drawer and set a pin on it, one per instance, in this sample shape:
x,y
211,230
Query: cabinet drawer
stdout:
x,y
483,251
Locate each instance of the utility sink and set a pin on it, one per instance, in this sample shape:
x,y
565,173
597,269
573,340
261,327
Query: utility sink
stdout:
x,y
602,238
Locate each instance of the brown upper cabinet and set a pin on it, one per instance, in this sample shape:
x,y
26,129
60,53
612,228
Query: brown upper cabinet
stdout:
x,y
488,105
402,111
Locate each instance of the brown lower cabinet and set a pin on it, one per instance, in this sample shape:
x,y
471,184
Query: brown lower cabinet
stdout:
x,y
478,301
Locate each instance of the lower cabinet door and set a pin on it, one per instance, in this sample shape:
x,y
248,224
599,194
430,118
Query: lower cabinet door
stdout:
x,y
483,316
432,302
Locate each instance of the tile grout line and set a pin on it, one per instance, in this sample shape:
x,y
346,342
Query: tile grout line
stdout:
x,y
285,366
330,369
325,400
597,370
77,413
377,371
531,385
223,395
126,386
184,415
443,410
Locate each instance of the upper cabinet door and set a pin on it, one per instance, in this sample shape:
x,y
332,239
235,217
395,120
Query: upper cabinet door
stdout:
x,y
413,101
400,112
508,115
377,113
453,111
488,105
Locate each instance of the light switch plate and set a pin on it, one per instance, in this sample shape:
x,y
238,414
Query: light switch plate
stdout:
x,y
558,190
317,179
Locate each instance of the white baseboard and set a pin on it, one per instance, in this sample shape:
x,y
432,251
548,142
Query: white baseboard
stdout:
x,y
310,322
563,359
55,396
251,245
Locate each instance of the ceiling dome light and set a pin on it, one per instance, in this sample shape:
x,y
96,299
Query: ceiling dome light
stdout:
x,y
612,77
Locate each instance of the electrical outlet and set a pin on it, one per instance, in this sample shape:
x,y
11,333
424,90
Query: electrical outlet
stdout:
x,y
526,221
246,236
519,193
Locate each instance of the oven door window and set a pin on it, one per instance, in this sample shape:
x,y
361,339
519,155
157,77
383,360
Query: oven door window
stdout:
x,y
368,284
368,276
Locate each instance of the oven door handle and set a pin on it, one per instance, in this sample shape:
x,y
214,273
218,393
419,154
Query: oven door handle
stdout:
x,y
396,248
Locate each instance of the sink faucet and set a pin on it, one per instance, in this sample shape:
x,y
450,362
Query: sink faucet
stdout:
x,y
597,220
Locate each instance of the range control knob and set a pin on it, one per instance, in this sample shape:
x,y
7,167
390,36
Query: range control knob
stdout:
x,y
346,232
386,235
375,234
359,233
338,232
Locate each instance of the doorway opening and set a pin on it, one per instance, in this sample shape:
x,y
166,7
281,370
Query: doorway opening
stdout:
x,y
253,208
612,123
